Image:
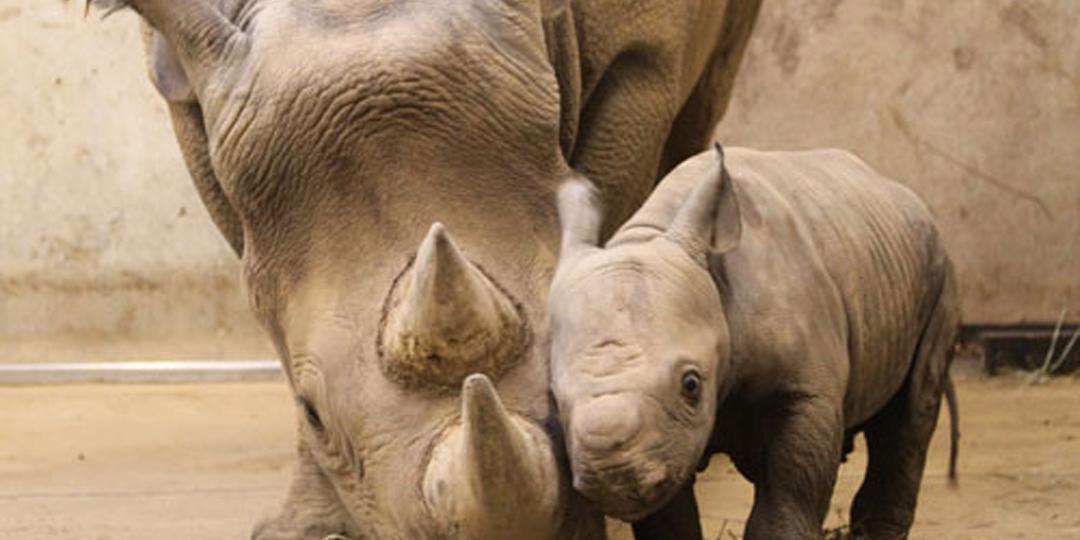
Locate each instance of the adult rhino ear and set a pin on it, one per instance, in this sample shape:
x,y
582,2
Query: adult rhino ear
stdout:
x,y
580,217
708,222
165,70
515,21
190,42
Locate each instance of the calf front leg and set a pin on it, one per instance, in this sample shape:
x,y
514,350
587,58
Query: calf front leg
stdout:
x,y
676,520
802,448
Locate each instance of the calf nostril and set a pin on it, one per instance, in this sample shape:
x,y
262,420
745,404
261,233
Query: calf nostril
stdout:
x,y
606,424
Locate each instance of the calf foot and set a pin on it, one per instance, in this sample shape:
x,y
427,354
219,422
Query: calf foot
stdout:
x,y
289,526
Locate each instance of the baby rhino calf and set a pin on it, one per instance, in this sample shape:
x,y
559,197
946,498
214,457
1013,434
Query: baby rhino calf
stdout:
x,y
769,307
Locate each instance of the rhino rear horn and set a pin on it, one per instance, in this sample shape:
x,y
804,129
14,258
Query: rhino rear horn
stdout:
x,y
445,319
495,475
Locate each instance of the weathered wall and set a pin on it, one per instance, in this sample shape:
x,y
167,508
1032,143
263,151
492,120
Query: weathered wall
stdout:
x,y
105,249
975,104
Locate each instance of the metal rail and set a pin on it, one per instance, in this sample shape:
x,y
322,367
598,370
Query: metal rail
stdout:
x,y
140,372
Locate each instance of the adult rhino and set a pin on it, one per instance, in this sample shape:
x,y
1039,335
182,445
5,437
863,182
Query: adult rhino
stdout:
x,y
329,138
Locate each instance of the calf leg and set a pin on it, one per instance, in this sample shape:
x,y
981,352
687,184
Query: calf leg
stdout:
x,y
898,437
802,454
677,520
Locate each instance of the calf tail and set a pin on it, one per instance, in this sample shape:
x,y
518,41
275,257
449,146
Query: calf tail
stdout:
x,y
954,429
947,302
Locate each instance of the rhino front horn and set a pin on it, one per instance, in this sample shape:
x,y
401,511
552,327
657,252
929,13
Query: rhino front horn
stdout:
x,y
445,319
494,476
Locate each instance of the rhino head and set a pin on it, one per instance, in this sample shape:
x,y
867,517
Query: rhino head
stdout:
x,y
338,145
640,351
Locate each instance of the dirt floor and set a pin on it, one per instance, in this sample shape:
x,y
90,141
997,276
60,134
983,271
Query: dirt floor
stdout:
x,y
204,461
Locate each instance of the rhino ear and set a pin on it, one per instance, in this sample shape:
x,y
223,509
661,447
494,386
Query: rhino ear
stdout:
x,y
518,23
580,217
166,72
191,41
529,8
708,222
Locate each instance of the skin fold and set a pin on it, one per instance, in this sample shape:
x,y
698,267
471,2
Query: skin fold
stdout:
x,y
769,306
387,170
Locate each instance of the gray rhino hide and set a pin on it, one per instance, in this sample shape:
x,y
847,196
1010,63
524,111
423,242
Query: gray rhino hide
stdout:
x,y
770,309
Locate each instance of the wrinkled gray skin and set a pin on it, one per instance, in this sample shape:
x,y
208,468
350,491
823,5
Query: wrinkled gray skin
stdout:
x,y
330,138
770,315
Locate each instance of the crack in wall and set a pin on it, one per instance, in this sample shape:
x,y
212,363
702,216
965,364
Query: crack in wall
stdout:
x,y
917,140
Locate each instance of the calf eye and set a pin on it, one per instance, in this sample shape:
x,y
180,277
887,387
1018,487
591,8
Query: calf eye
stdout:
x,y
691,385
312,415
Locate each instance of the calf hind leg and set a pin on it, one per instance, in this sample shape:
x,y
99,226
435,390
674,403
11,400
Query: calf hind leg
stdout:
x,y
898,437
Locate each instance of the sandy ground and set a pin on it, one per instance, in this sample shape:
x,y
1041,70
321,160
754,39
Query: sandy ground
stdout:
x,y
205,461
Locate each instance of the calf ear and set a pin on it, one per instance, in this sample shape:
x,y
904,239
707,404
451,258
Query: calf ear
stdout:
x,y
580,217
708,222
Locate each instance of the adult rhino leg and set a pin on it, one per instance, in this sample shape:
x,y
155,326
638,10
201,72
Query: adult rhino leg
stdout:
x,y
636,76
311,509
622,131
693,128
802,455
677,520
898,436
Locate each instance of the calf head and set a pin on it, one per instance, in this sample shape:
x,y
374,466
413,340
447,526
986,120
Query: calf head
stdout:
x,y
639,343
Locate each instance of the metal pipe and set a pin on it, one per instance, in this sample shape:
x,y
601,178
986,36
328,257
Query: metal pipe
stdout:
x,y
141,372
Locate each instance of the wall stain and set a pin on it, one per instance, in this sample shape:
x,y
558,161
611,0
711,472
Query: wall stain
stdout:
x,y
9,13
1018,15
785,45
828,10
963,58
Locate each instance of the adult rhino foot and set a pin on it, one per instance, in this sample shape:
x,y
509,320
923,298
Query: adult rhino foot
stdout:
x,y
287,528
311,511
304,520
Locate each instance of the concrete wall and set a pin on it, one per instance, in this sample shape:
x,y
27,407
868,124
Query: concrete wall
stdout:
x,y
975,104
106,252
105,249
